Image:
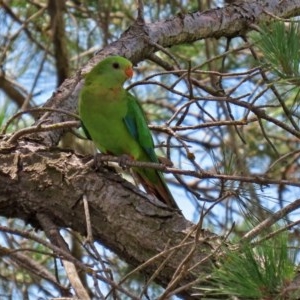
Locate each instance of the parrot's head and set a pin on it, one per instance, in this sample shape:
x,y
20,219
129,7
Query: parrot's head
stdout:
x,y
115,69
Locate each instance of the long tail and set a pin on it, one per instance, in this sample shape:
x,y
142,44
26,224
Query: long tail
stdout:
x,y
154,183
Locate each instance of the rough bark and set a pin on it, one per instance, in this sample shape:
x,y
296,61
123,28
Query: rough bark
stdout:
x,y
35,180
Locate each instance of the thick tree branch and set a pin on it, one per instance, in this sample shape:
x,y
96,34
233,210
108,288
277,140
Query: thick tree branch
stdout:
x,y
35,181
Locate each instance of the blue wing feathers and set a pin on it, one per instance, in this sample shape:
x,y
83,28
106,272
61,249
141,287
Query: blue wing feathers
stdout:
x,y
136,123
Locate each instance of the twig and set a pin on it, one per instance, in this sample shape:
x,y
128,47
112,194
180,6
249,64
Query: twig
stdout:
x,y
275,92
140,17
89,238
209,256
164,50
270,221
152,259
37,76
31,265
219,123
272,234
182,269
40,128
157,271
54,236
257,178
281,158
34,110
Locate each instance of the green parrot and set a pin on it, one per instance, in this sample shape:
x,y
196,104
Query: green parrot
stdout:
x,y
115,121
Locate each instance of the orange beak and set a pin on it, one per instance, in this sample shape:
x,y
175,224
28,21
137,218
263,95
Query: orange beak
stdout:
x,y
129,72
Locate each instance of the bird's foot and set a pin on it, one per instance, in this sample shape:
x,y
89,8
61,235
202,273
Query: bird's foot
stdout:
x,y
101,162
98,163
123,160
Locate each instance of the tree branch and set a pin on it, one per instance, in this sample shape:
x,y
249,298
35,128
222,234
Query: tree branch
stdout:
x,y
123,219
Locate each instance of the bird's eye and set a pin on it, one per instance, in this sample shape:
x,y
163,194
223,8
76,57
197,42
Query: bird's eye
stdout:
x,y
116,65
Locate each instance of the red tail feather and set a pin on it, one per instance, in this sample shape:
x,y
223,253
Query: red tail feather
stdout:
x,y
159,189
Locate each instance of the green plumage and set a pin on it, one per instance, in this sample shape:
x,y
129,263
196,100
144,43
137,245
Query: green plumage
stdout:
x,y
116,122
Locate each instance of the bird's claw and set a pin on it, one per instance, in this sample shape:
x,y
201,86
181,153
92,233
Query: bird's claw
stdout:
x,y
123,160
98,163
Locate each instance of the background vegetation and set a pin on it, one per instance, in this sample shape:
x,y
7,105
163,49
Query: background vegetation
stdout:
x,y
224,108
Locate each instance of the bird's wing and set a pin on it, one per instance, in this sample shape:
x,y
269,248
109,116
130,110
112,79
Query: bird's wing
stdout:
x,y
136,123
